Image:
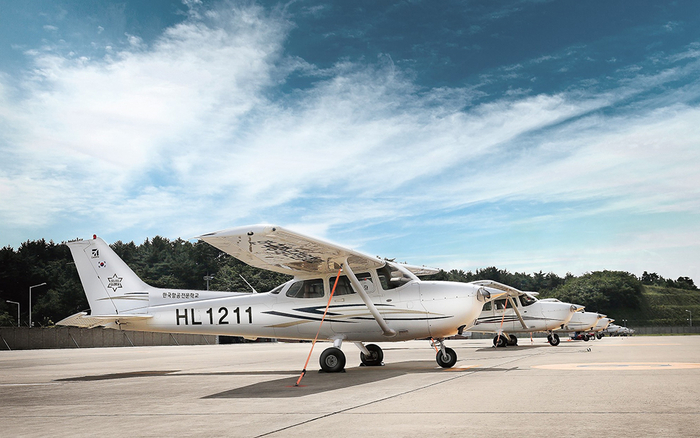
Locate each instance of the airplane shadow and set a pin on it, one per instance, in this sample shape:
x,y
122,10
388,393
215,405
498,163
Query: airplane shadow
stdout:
x,y
314,382
515,347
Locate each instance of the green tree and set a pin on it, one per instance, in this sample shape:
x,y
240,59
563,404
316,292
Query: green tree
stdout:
x,y
602,291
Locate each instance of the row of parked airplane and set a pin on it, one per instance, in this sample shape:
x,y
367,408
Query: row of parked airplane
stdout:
x,y
337,294
525,314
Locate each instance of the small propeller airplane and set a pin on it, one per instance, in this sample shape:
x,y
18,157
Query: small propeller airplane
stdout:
x,y
521,312
600,326
581,325
618,330
362,298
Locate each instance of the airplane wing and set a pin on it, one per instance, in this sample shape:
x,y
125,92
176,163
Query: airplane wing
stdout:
x,y
276,249
419,271
504,288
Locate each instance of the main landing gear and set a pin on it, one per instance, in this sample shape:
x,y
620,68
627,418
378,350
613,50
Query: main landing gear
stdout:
x,y
332,359
503,340
553,339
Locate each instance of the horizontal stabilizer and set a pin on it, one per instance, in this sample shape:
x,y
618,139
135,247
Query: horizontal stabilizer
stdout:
x,y
84,320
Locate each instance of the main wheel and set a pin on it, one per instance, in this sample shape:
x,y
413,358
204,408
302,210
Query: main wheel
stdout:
x,y
376,355
586,338
448,360
332,360
513,340
500,341
599,336
553,339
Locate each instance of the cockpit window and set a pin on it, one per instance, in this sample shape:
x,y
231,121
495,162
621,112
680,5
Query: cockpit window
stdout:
x,y
390,277
527,300
487,306
306,289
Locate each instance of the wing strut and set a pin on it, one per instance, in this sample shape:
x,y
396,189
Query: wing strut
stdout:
x,y
517,312
388,332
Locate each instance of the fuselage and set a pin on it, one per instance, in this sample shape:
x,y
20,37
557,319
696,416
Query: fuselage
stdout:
x,y
500,316
582,322
412,308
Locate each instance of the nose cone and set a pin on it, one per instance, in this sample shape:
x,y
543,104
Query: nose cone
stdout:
x,y
560,313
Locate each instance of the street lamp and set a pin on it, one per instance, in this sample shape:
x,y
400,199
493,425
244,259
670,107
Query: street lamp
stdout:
x,y
207,278
691,317
15,302
30,301
625,321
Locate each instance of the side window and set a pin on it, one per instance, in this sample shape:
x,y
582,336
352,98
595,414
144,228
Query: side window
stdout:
x,y
306,289
344,287
500,304
487,306
278,289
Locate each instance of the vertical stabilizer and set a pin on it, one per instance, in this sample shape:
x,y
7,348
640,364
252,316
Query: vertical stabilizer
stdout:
x,y
111,287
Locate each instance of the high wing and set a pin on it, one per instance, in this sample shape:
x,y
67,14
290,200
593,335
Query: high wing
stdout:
x,y
275,249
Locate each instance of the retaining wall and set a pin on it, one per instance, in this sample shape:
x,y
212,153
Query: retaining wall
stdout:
x,y
25,338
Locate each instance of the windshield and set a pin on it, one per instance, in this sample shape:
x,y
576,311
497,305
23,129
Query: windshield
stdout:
x,y
392,277
527,300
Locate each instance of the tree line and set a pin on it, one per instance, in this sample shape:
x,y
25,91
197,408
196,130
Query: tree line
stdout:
x,y
180,264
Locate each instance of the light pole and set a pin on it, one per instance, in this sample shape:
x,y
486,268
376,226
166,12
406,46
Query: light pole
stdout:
x,y
207,278
625,321
691,317
30,301
15,302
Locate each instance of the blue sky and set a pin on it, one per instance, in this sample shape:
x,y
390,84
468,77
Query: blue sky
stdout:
x,y
526,134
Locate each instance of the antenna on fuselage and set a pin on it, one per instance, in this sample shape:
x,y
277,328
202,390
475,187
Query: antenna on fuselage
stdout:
x,y
246,282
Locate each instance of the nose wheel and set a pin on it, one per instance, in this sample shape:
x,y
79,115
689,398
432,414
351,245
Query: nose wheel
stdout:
x,y
445,357
553,339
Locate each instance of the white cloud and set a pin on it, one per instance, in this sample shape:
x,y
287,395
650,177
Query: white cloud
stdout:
x,y
194,132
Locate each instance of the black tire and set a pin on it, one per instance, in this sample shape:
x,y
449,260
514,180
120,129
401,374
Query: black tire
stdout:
x,y
449,361
513,341
332,360
599,336
500,341
376,356
586,338
553,339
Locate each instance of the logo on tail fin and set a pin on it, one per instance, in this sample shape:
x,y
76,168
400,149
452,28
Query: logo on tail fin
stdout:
x,y
115,282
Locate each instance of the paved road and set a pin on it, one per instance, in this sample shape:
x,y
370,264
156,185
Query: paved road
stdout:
x,y
614,387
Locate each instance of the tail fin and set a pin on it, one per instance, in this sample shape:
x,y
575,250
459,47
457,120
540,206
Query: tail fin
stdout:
x,y
111,287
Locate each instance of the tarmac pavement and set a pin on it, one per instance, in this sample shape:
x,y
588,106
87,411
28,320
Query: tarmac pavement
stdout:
x,y
613,387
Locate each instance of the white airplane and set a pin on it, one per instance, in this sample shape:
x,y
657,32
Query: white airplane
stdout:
x,y
521,312
602,324
618,330
582,324
374,300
